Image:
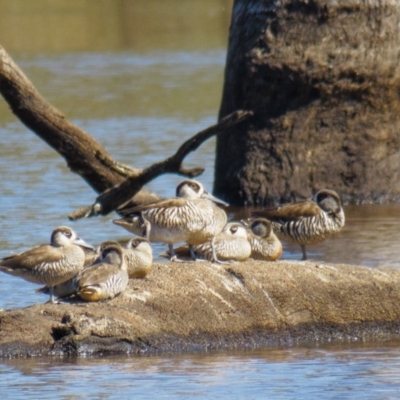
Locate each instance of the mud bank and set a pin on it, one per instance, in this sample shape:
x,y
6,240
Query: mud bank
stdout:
x,y
190,307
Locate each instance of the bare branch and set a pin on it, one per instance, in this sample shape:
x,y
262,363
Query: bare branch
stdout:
x,y
116,182
84,155
117,196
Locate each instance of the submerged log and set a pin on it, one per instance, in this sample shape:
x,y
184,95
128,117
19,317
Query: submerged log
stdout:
x,y
201,306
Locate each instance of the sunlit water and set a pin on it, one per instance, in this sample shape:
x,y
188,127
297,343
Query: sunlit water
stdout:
x,y
297,373
141,105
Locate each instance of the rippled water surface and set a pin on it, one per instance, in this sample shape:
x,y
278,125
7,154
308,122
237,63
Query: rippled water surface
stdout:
x,y
141,82
356,372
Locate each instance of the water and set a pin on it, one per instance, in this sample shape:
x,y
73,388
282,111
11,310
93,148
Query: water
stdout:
x,y
141,89
297,373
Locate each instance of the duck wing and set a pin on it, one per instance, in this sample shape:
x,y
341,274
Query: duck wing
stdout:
x,y
291,211
31,258
165,203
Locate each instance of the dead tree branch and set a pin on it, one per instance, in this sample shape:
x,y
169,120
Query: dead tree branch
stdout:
x,y
84,155
116,182
117,196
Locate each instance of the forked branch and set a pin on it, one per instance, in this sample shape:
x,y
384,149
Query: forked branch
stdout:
x,y
117,196
117,183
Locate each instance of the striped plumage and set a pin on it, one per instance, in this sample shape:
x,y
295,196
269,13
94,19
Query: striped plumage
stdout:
x,y
230,245
64,289
191,217
309,221
49,264
106,279
264,243
137,256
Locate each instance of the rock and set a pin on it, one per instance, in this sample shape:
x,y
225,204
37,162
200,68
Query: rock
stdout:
x,y
182,307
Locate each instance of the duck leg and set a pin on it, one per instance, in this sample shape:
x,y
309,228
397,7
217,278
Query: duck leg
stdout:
x,y
51,291
172,254
303,249
214,253
193,254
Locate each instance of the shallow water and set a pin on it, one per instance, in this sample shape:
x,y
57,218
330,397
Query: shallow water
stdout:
x,y
141,96
335,372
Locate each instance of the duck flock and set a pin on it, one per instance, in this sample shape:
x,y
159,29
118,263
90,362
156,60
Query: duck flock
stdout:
x,y
68,266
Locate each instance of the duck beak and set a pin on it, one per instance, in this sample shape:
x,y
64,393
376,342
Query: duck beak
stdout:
x,y
210,197
127,221
82,243
245,222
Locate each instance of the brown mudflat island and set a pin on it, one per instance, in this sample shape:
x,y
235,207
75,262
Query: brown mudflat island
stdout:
x,y
187,307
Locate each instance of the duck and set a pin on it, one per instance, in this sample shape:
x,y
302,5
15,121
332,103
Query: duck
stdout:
x,y
138,256
308,221
105,279
264,243
193,216
49,264
231,244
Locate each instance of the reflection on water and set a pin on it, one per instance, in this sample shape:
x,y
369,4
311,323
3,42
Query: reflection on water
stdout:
x,y
141,77
357,372
370,238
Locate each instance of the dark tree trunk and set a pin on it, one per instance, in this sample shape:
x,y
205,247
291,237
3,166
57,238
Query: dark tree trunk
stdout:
x,y
322,79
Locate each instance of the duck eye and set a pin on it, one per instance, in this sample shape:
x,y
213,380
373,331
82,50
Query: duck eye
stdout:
x,y
323,196
108,251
